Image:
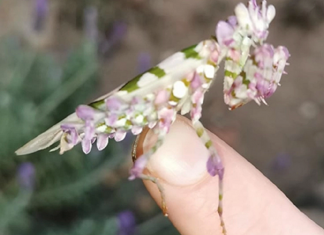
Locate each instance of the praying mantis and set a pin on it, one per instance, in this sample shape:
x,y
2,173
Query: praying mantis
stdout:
x,y
253,70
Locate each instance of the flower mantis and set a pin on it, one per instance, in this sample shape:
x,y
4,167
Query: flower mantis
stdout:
x,y
253,70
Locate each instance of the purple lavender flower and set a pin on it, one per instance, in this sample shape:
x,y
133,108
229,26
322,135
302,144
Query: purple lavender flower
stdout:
x,y
281,163
90,23
26,176
127,223
144,62
117,33
41,9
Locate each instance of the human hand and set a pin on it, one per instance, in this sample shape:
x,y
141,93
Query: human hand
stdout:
x,y
252,204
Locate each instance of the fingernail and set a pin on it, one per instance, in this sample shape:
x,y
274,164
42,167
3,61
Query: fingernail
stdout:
x,y
182,158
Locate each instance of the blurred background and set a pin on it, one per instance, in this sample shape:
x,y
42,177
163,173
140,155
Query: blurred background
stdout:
x,y
56,54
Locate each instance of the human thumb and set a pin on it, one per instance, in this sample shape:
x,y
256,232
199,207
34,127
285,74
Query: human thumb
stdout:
x,y
252,204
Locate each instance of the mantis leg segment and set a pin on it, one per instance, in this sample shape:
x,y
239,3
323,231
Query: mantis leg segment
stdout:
x,y
160,188
134,148
143,176
214,166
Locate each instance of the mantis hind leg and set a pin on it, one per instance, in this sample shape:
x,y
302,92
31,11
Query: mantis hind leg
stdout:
x,y
155,181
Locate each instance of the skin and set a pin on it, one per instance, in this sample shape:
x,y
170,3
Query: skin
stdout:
x,y
252,204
